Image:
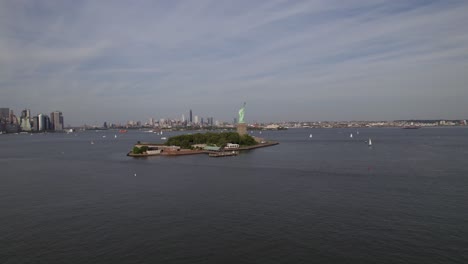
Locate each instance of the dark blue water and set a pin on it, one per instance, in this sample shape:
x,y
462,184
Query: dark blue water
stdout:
x,y
329,199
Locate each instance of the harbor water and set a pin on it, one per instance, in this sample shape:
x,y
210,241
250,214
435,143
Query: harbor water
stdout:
x,y
322,199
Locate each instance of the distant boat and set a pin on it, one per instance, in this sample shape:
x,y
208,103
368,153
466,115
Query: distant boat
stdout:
x,y
357,132
369,142
163,138
92,142
351,135
310,136
104,136
123,131
115,136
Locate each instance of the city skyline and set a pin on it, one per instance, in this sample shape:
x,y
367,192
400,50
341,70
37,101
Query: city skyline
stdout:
x,y
198,119
301,60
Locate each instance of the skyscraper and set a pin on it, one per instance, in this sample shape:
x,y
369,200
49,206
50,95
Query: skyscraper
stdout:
x,y
190,118
26,113
41,125
4,114
56,121
25,120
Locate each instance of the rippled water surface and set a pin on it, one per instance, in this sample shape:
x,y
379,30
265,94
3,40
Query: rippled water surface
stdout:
x,y
325,199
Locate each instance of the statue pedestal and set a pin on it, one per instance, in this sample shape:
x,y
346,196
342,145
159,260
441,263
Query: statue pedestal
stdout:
x,y
242,128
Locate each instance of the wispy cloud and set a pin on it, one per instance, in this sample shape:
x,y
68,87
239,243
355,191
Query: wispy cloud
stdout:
x,y
322,59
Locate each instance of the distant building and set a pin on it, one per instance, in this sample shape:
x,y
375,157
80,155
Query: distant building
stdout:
x,y
56,121
40,122
190,116
48,124
232,146
26,113
12,117
4,114
199,146
196,120
212,148
35,126
25,122
210,121
43,123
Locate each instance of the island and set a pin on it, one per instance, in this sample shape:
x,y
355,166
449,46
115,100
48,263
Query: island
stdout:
x,y
214,144
222,144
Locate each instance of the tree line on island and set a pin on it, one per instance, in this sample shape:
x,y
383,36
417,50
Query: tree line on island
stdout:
x,y
215,139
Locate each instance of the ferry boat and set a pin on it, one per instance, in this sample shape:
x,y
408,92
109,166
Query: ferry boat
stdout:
x,y
123,131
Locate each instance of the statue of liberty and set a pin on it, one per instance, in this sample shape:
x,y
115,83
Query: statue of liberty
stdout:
x,y
241,114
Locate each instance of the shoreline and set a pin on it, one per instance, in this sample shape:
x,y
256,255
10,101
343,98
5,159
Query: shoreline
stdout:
x,y
185,152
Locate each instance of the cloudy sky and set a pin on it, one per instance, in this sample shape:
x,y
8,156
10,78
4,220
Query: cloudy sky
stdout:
x,y
289,60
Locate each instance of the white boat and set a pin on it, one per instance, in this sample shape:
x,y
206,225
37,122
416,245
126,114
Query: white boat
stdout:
x,y
357,132
351,135
92,142
163,138
310,136
369,142
115,136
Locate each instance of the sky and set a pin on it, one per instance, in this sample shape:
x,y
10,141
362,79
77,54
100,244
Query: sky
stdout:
x,y
290,60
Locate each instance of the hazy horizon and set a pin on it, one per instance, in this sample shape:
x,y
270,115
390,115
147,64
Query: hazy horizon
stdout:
x,y
289,60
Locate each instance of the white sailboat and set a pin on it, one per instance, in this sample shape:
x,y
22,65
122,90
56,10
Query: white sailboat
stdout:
x,y
369,142
357,132
351,135
310,136
115,136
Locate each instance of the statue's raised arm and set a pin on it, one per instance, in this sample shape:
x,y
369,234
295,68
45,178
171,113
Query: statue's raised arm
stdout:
x,y
241,114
